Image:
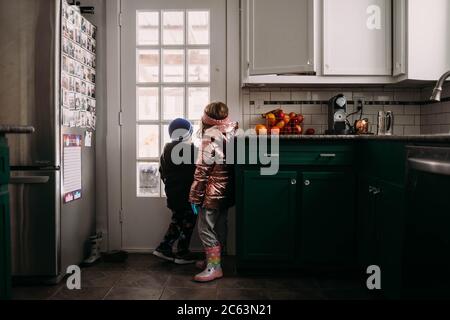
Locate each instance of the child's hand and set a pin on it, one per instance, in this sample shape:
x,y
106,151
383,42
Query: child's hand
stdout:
x,y
195,208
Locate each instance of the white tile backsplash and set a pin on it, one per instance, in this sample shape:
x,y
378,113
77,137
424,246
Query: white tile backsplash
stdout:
x,y
409,119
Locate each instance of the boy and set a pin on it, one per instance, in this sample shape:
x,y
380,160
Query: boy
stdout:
x,y
178,180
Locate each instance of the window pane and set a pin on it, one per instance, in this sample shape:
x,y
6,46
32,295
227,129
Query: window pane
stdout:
x,y
148,141
166,137
148,28
173,65
173,106
148,100
198,100
173,28
198,65
148,180
148,65
198,27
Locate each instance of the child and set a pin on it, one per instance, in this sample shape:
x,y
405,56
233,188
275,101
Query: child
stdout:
x,y
212,191
178,180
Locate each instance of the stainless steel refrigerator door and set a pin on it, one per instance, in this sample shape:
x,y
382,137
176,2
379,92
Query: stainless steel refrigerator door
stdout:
x,y
35,219
30,78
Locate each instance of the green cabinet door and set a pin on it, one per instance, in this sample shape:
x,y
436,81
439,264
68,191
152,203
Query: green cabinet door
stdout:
x,y
389,202
5,245
267,224
327,219
368,253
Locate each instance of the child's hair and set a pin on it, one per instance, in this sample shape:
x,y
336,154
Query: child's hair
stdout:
x,y
217,111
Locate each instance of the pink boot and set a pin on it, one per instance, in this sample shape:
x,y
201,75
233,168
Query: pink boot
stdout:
x,y
213,269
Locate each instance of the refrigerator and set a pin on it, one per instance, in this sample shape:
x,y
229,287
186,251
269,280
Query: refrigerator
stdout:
x,y
47,80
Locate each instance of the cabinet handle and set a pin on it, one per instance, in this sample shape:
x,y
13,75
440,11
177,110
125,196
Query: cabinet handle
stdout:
x,y
328,155
307,182
371,189
293,181
376,191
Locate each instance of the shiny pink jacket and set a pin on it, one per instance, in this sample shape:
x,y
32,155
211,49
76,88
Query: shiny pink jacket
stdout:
x,y
213,186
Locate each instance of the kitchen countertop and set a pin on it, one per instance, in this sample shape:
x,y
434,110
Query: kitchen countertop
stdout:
x,y
15,129
408,138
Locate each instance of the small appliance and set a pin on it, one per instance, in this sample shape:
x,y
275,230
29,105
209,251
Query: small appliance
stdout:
x,y
337,115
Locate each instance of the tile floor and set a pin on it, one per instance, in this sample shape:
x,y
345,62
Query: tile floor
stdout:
x,y
145,277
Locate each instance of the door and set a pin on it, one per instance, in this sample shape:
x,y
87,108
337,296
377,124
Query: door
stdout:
x,y
279,36
268,217
390,236
327,218
173,57
35,220
357,37
366,223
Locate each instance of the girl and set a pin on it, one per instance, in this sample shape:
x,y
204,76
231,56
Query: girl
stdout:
x,y
212,190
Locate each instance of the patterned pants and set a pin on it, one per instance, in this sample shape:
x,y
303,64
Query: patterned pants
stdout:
x,y
181,228
213,227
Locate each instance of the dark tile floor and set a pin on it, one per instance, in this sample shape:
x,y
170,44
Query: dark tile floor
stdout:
x,y
145,277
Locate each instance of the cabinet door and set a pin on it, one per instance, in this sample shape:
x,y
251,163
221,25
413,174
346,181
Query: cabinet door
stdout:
x,y
366,223
390,236
327,223
357,37
399,33
278,36
267,231
5,245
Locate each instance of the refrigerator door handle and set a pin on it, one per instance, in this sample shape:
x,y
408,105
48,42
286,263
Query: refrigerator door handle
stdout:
x,y
29,180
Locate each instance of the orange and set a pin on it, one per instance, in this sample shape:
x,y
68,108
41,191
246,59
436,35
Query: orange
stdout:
x,y
261,129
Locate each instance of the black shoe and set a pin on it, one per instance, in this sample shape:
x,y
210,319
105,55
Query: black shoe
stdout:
x,y
185,258
164,254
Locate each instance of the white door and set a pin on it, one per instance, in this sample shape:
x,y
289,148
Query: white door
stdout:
x,y
357,37
279,36
173,56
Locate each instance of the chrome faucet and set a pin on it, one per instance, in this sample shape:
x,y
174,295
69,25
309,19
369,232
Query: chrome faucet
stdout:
x,y
436,95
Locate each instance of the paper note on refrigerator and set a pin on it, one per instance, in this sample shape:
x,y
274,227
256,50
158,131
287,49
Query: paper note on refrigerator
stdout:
x,y
72,168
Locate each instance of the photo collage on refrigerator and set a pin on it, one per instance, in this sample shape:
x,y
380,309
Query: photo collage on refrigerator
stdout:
x,y
78,63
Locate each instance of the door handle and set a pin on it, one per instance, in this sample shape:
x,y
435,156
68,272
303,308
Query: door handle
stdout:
x,y
29,180
328,155
376,191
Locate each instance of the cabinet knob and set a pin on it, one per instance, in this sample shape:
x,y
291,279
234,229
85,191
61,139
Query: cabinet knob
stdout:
x,y
376,191
293,181
307,182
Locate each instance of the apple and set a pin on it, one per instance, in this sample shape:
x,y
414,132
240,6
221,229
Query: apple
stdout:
x,y
298,129
300,118
310,132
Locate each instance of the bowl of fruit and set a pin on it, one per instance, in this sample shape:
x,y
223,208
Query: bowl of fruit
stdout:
x,y
278,122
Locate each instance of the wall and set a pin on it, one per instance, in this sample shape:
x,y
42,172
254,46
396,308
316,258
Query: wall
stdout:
x,y
312,103
435,117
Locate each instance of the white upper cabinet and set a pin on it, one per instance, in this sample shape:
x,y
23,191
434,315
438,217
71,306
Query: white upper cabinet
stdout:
x,y
278,36
428,34
357,37
399,37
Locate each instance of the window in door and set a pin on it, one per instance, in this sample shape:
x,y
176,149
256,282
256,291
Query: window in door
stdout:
x,y
172,81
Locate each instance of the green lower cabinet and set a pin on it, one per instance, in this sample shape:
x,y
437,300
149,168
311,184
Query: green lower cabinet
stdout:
x,y
5,245
381,224
327,233
267,217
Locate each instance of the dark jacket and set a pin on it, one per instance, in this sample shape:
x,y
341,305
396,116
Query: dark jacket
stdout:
x,y
213,186
177,178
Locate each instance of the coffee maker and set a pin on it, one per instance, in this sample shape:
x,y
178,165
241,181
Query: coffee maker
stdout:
x,y
337,115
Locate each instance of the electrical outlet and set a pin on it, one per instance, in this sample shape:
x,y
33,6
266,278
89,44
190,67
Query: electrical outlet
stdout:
x,y
359,103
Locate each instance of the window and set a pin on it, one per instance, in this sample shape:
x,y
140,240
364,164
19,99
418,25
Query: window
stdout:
x,y
172,81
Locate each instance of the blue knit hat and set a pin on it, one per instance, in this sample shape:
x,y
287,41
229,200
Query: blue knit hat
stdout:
x,y
180,130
